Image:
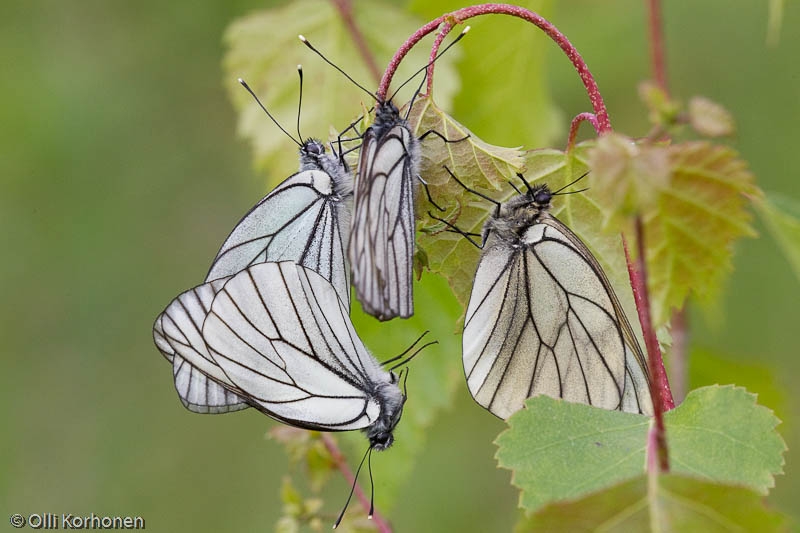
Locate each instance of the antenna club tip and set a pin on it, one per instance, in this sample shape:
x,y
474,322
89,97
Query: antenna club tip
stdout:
x,y
466,30
302,39
240,80
369,517
300,68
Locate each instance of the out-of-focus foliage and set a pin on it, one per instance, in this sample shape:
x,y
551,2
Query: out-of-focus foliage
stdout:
x,y
692,198
263,49
504,97
781,214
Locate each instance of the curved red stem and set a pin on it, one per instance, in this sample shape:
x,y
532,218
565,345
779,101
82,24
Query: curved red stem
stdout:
x,y
576,123
456,17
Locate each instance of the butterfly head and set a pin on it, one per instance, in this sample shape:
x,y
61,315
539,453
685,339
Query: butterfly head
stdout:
x,y
314,156
540,197
387,116
516,215
391,398
386,112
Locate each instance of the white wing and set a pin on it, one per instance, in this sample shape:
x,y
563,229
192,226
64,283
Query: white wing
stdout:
x,y
201,384
382,245
281,334
542,319
305,219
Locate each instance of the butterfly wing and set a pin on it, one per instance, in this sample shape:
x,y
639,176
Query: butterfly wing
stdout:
x,y
382,245
543,319
305,219
198,379
282,335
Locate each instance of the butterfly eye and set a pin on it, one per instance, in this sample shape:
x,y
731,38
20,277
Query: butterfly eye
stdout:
x,y
315,148
542,197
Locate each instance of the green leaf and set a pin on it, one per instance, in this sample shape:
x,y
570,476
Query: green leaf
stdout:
x,y
673,503
691,231
630,176
263,49
505,97
559,451
691,197
781,215
722,434
480,165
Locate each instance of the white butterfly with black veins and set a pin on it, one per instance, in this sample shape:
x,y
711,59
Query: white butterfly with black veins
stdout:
x,y
283,336
384,222
305,219
384,218
543,318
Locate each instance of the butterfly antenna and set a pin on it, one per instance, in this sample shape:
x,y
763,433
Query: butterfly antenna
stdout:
x,y
244,84
371,486
331,63
300,101
570,184
352,489
405,386
410,357
425,68
514,187
527,185
395,358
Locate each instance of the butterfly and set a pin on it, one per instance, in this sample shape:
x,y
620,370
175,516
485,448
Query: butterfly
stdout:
x,y
384,218
543,317
382,248
305,219
283,336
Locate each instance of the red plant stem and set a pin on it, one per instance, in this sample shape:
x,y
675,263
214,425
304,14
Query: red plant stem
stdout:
x,y
466,13
659,386
657,53
576,123
446,27
341,463
346,12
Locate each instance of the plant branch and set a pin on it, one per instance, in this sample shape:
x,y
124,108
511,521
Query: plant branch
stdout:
x,y
657,52
659,385
576,123
446,27
345,8
459,16
341,463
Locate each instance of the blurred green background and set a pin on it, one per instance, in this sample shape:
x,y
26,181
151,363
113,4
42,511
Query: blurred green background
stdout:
x,y
121,173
